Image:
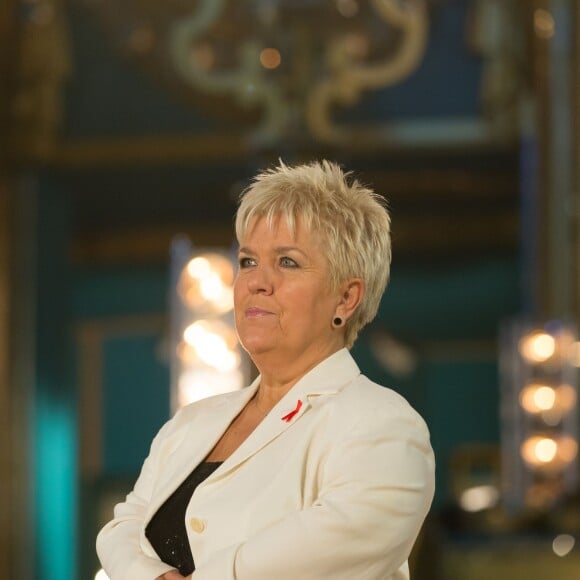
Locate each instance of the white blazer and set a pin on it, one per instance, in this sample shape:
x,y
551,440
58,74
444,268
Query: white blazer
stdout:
x,y
337,490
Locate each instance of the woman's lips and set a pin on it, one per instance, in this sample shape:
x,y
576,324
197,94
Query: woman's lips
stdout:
x,y
256,312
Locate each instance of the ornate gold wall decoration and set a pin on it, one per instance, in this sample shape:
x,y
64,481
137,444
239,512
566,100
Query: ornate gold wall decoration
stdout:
x,y
288,63
328,52
496,32
351,73
44,65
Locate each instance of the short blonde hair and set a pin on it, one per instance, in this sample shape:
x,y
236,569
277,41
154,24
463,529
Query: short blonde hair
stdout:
x,y
352,221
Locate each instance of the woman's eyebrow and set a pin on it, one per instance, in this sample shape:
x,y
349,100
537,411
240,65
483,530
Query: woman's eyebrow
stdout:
x,y
277,250
284,249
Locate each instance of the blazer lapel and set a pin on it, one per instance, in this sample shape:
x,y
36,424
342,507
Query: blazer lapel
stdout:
x,y
209,423
329,377
286,413
203,432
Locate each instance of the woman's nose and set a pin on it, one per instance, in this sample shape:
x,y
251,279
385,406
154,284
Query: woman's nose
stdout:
x,y
260,281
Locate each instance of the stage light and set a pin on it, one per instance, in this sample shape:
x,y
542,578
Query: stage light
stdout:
x,y
540,428
206,284
478,498
537,346
548,401
214,343
206,356
563,544
549,453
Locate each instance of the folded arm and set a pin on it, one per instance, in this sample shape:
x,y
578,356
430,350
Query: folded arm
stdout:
x,y
377,488
118,544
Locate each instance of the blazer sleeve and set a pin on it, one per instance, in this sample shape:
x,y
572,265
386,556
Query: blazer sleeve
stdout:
x,y
377,487
118,543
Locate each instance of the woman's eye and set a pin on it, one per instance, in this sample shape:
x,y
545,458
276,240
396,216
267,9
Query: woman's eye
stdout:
x,y
246,262
288,262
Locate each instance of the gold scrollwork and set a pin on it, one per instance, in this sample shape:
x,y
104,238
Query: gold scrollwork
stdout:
x,y
350,78
496,35
246,82
345,75
43,69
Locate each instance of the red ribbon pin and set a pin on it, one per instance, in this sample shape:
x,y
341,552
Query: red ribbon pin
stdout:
x,y
292,414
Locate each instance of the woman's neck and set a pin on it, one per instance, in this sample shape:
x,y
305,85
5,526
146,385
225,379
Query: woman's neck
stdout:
x,y
277,376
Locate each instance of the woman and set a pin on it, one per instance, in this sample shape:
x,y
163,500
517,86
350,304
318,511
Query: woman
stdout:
x,y
313,471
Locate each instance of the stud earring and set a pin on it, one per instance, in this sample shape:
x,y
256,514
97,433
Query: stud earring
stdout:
x,y
337,322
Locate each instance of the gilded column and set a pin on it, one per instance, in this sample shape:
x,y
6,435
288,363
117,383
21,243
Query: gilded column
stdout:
x,y
6,458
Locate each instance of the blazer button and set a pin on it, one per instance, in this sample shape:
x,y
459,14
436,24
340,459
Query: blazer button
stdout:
x,y
197,525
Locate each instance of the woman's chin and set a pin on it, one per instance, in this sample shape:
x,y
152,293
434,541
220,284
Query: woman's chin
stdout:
x,y
257,345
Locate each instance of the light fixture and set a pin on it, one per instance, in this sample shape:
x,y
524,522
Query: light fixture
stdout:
x,y
537,346
549,453
270,58
539,413
544,24
206,356
271,65
205,284
479,498
213,343
539,398
563,544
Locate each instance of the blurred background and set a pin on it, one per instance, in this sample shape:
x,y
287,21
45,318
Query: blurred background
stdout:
x,y
128,130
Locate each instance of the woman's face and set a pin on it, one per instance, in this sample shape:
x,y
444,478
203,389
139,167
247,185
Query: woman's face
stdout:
x,y
282,297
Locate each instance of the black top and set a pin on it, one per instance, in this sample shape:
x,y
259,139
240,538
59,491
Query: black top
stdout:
x,y
166,530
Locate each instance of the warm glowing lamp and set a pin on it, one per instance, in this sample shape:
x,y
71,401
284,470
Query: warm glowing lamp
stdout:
x,y
478,498
551,401
214,343
206,284
206,357
270,58
540,433
536,398
549,453
563,544
538,346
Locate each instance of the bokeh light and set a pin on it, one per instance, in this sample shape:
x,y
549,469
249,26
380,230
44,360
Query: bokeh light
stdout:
x,y
206,284
537,346
214,343
563,544
478,498
549,453
270,58
544,24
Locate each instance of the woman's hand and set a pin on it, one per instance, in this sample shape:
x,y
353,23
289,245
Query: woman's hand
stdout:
x,y
172,575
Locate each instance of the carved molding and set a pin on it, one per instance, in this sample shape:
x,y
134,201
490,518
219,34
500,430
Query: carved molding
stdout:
x,y
275,58
91,337
497,32
350,76
8,42
299,107
44,64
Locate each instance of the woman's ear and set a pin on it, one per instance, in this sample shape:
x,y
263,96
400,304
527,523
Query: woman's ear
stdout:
x,y
352,293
